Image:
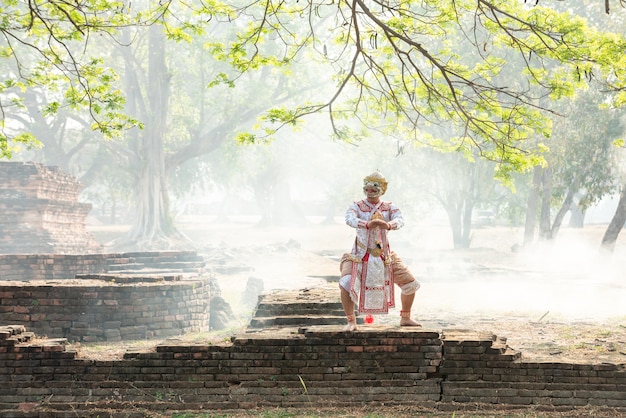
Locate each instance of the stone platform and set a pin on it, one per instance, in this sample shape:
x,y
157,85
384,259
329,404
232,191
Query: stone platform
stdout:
x,y
316,367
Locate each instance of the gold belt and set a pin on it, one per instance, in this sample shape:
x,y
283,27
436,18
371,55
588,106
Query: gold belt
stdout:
x,y
376,252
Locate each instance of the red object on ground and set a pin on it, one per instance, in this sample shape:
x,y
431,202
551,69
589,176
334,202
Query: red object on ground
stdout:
x,y
369,319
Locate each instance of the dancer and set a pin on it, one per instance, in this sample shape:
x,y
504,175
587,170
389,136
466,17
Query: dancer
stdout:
x,y
369,272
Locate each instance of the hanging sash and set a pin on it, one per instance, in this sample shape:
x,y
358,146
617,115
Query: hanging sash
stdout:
x,y
372,279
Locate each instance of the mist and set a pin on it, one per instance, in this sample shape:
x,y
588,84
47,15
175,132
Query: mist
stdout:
x,y
565,279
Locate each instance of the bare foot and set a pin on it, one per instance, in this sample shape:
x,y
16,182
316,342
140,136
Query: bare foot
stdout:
x,y
351,326
408,322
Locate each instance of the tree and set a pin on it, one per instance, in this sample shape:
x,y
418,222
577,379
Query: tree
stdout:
x,y
580,167
154,224
393,65
181,122
185,119
619,217
393,54
45,42
394,60
616,224
459,186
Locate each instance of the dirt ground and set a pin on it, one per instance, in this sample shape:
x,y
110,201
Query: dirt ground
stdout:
x,y
560,302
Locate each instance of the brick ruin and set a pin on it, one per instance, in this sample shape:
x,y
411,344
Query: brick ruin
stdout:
x,y
55,279
110,308
41,213
306,366
33,267
315,367
107,297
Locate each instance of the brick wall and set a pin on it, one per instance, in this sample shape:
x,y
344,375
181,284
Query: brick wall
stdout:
x,y
32,267
106,297
477,368
98,310
319,367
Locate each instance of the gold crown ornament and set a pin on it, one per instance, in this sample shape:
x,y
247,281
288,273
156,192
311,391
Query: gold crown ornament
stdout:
x,y
376,179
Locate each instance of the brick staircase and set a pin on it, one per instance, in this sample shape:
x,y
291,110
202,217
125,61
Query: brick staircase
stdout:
x,y
299,308
182,262
31,267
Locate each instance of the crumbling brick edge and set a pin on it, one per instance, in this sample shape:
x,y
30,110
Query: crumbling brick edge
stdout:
x,y
315,367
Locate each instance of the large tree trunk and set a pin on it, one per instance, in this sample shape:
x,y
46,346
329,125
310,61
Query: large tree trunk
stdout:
x,y
545,230
459,205
577,214
617,223
457,210
468,208
565,207
531,207
454,217
153,228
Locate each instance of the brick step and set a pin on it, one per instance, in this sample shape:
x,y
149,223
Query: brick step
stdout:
x,y
16,339
128,266
173,266
170,264
153,254
153,257
134,277
155,272
297,321
265,309
295,308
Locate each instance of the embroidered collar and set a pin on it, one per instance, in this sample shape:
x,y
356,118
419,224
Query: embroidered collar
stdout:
x,y
366,206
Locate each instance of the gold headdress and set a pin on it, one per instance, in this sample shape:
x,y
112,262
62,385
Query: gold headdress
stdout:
x,y
377,179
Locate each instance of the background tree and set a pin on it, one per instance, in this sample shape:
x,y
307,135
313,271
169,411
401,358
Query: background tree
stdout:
x,y
183,122
166,87
581,160
459,186
616,225
617,222
46,42
394,67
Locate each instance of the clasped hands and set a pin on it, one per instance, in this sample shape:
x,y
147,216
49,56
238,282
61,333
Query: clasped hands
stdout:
x,y
378,223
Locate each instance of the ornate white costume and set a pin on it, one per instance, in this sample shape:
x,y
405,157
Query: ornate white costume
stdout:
x,y
371,275
369,271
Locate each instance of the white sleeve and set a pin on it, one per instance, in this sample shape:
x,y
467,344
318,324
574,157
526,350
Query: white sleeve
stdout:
x,y
396,219
352,217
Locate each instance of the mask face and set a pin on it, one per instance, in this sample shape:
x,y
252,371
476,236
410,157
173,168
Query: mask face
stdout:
x,y
374,185
372,189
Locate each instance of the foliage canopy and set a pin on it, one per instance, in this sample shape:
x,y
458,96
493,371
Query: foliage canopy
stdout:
x,y
404,67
